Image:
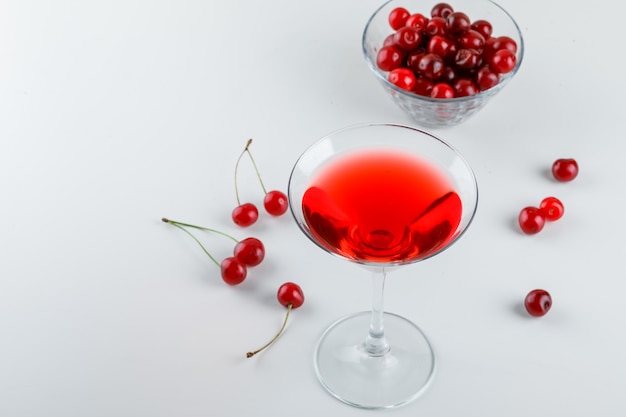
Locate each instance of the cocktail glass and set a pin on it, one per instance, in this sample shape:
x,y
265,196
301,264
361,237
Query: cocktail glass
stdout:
x,y
381,196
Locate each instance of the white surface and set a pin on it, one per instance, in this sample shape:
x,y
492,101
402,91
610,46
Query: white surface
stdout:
x,y
114,114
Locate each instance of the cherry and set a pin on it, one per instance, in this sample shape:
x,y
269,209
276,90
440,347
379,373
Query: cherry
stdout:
x,y
442,46
449,75
389,58
468,58
290,293
248,252
472,39
413,58
457,23
423,86
418,21
538,302
489,49
503,61
389,41
245,215
486,78
565,169
441,10
398,17
233,271
483,27
275,202
442,90
531,220
403,78
504,42
408,38
291,296
436,26
430,66
465,87
551,208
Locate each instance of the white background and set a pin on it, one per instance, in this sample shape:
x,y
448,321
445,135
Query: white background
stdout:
x,y
116,113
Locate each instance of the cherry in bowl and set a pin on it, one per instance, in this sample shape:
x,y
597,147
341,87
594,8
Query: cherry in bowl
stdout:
x,y
478,39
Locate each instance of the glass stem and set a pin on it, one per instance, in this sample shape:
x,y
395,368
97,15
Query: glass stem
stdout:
x,y
376,342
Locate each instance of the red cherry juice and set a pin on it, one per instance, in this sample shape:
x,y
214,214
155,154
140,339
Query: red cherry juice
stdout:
x,y
381,206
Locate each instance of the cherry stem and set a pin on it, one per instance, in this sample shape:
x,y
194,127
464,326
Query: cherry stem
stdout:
x,y
256,169
268,344
181,225
219,232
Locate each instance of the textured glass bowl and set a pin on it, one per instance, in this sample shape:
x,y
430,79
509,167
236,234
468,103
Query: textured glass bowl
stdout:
x,y
428,111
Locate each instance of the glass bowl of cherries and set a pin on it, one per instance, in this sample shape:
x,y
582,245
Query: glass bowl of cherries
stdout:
x,y
442,62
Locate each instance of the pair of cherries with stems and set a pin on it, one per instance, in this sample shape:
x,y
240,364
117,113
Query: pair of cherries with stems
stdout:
x,y
531,219
275,201
248,252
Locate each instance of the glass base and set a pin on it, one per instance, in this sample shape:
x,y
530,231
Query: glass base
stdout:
x,y
351,375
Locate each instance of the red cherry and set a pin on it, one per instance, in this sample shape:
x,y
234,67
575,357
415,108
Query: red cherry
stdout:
x,y
291,296
276,203
398,17
531,220
441,10
504,42
233,271
472,39
430,66
551,208
250,251
538,302
413,58
465,87
449,75
489,48
468,58
407,38
418,21
389,41
486,78
442,46
403,78
565,169
442,90
503,61
423,86
245,214
290,293
436,26
389,58
483,27
457,23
